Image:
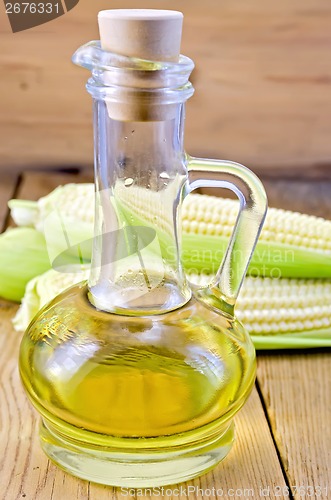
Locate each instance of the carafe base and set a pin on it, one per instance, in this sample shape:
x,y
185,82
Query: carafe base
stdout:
x,y
129,468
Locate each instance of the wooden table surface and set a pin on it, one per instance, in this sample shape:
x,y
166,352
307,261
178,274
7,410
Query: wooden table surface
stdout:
x,y
283,445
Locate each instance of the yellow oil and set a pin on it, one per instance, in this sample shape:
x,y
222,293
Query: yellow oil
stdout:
x,y
128,377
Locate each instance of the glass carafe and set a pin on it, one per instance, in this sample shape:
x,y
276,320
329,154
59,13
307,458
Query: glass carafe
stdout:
x,y
137,374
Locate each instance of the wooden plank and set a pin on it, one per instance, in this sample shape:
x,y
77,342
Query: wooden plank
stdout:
x,y
312,197
37,184
296,387
8,183
25,470
262,83
297,392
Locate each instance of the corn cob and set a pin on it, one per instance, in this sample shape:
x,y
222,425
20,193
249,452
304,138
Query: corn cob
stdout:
x,y
59,216
272,306
290,245
217,216
269,306
73,201
277,313
202,214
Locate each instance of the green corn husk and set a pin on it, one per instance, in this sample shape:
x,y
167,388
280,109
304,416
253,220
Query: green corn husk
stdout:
x,y
291,245
269,259
67,228
23,255
277,321
303,340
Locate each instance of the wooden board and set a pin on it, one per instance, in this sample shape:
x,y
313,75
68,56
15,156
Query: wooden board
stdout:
x,y
26,472
262,79
8,185
296,389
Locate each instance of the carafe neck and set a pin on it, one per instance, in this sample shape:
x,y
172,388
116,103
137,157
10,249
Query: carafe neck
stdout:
x,y
140,176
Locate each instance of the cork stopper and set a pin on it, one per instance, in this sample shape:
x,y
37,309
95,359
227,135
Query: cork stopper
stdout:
x,y
149,34
143,33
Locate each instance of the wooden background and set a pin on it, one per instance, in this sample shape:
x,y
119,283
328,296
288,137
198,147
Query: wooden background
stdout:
x,y
262,79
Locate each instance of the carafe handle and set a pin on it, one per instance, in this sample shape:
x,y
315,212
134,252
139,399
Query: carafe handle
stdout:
x,y
252,211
